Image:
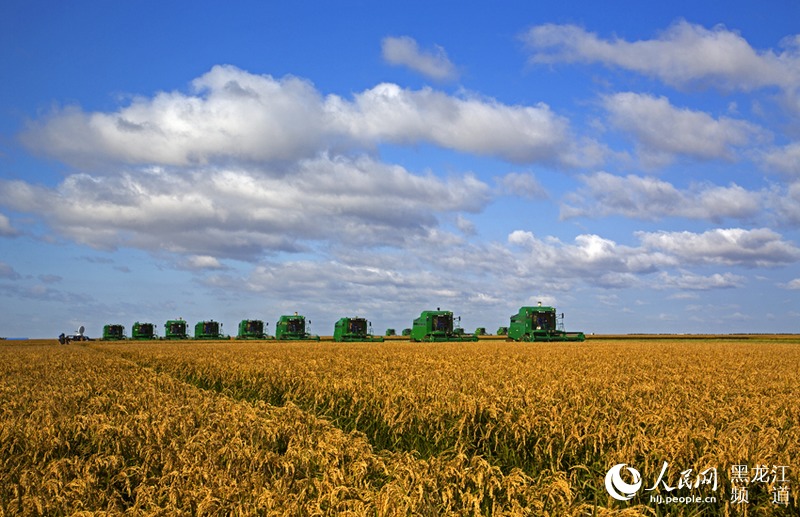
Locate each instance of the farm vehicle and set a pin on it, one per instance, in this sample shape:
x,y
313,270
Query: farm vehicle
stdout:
x,y
208,330
113,332
438,326
252,329
143,331
354,329
540,323
293,328
175,329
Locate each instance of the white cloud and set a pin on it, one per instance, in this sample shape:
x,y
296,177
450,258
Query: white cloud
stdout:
x,y
390,113
690,281
200,262
233,115
404,51
6,230
6,271
793,284
662,131
522,184
243,214
685,55
760,247
784,159
650,198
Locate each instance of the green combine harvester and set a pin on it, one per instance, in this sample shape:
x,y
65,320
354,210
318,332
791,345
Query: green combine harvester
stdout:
x,y
113,333
438,326
252,329
293,328
208,330
354,329
175,329
143,331
540,323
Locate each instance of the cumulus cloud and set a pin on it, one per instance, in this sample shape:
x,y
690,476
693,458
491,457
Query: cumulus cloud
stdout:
x,y
200,262
522,184
644,197
784,159
793,284
685,55
243,214
690,281
404,51
6,230
232,115
759,247
663,131
389,113
6,271
603,262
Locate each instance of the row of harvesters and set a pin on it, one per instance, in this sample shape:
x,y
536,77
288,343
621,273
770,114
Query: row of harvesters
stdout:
x,y
289,327
539,323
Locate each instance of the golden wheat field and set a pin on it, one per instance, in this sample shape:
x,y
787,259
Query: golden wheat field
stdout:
x,y
712,426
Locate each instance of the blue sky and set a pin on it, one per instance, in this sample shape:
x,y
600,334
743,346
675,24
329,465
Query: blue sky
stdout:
x,y
637,165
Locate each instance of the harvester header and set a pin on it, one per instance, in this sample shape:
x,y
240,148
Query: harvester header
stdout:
x,y
294,328
208,330
143,331
354,329
175,329
540,323
438,326
252,329
113,332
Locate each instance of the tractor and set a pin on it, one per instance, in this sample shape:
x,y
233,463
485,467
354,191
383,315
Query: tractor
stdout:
x,y
354,329
208,330
113,332
143,331
175,329
438,326
540,323
293,328
252,329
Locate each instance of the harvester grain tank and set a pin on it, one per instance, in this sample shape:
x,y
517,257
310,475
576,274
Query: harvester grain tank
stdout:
x,y
113,332
208,330
354,329
175,329
293,328
540,323
252,329
438,326
143,331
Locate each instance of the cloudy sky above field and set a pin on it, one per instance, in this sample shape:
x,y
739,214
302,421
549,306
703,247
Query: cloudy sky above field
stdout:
x,y
636,165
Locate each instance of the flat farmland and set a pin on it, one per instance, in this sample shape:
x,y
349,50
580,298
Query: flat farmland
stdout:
x,y
711,426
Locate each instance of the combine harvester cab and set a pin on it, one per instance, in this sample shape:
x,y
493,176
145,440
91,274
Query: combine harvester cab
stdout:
x,y
175,329
114,332
354,329
293,328
143,331
438,326
540,323
208,330
252,329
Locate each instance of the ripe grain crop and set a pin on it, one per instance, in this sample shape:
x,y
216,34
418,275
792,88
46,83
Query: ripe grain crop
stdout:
x,y
487,428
